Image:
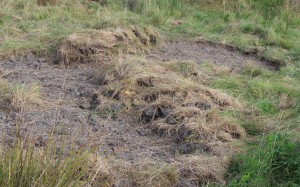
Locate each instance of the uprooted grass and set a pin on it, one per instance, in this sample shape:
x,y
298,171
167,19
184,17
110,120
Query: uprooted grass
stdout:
x,y
173,104
94,46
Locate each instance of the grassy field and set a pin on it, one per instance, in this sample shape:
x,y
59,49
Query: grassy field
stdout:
x,y
269,29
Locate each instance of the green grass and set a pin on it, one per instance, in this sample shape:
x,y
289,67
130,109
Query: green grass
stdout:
x,y
275,161
28,27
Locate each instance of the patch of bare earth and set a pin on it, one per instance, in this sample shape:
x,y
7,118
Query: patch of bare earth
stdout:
x,y
201,51
148,125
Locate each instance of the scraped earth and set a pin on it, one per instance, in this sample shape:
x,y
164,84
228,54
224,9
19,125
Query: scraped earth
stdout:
x,y
69,103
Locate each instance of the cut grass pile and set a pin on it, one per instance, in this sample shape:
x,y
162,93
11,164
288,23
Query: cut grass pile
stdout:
x,y
187,170
100,46
173,104
170,99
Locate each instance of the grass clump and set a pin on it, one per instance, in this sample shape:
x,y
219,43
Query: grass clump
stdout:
x,y
25,96
273,162
176,105
25,165
19,97
99,46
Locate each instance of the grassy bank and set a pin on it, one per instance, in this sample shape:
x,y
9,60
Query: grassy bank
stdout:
x,y
29,27
268,29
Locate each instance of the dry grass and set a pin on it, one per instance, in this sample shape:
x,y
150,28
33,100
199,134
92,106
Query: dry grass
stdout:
x,y
202,170
25,97
19,97
285,102
150,174
168,97
185,170
171,103
99,46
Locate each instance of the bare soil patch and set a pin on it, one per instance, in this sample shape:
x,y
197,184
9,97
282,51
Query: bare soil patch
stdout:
x,y
201,51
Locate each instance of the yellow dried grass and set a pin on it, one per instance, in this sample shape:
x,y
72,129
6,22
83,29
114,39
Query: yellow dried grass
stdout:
x,y
100,46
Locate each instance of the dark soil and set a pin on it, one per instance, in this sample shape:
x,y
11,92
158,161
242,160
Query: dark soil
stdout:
x,y
208,52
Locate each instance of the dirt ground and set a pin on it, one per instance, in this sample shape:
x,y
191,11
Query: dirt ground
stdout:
x,y
206,52
69,106
68,111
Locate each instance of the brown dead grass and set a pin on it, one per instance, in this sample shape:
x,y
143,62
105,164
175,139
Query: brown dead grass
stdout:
x,y
25,97
184,170
285,102
100,46
171,103
202,170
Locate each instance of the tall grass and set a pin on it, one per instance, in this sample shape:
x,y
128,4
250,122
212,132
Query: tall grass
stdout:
x,y
27,166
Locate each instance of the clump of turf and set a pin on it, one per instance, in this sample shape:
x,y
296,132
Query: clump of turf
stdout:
x,y
19,97
99,46
169,102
